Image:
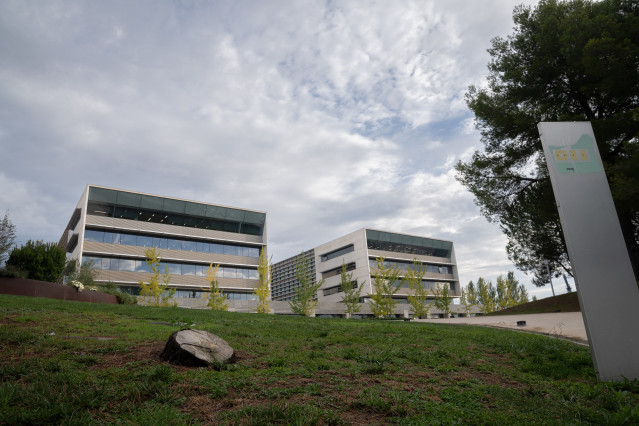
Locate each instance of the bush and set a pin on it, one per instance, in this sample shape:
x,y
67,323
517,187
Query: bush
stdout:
x,y
123,298
12,272
41,261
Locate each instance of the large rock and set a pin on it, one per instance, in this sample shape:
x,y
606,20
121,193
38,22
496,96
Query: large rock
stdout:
x,y
197,348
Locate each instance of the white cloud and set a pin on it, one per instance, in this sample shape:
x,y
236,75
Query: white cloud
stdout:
x,y
311,111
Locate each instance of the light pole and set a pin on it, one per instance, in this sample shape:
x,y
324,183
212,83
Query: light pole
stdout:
x,y
549,277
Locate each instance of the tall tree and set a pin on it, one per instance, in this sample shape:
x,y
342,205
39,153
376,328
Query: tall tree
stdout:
x,y
216,299
305,299
263,288
156,291
471,294
504,299
466,299
566,61
517,293
443,299
39,260
7,237
486,295
418,300
386,282
352,291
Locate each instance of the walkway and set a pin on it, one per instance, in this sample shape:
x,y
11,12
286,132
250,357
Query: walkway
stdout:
x,y
566,325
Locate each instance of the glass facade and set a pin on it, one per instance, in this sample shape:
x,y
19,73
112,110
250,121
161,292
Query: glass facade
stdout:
x,y
169,243
405,266
195,294
174,268
399,243
148,208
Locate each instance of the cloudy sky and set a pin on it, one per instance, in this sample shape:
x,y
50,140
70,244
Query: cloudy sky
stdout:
x,y
329,115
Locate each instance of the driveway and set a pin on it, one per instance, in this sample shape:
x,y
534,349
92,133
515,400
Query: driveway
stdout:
x,y
565,325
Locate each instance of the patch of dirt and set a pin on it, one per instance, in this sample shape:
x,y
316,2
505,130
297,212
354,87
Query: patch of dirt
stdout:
x,y
149,351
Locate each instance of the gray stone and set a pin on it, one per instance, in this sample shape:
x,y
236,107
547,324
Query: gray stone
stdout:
x,y
197,348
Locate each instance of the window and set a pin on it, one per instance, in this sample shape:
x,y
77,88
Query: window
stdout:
x,y
232,250
105,263
126,265
122,204
128,239
161,243
336,289
228,272
174,244
200,270
174,268
189,245
137,265
95,236
188,269
142,266
337,253
112,237
337,271
143,241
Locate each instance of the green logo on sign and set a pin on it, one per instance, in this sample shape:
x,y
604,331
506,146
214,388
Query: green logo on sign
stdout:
x,y
577,159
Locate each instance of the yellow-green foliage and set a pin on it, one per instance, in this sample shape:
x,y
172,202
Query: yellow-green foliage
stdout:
x,y
385,283
419,299
442,298
304,301
506,294
352,291
216,299
466,301
263,289
155,293
486,295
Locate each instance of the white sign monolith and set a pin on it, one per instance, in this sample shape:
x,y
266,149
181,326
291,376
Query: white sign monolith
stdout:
x,y
606,285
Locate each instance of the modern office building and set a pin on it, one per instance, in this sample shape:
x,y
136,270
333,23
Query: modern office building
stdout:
x,y
111,229
284,275
360,250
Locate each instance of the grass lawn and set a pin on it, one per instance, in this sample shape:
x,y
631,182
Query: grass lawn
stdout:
x,y
290,370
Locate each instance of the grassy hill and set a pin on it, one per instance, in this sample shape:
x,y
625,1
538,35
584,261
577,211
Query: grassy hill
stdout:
x,y
81,363
563,303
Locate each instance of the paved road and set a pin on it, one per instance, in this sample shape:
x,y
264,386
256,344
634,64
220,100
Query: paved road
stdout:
x,y
567,325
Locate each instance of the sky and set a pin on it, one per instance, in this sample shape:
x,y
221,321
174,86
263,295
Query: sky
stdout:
x,y
330,116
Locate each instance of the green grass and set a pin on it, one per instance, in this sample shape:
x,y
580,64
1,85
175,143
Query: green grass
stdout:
x,y
290,370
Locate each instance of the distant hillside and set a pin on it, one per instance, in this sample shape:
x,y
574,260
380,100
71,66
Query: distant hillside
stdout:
x,y
563,303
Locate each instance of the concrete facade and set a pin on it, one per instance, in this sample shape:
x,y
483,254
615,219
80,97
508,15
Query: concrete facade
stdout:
x,y
113,228
284,277
359,251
